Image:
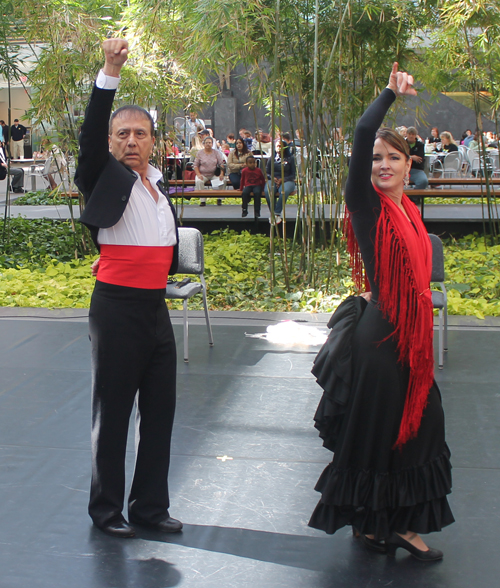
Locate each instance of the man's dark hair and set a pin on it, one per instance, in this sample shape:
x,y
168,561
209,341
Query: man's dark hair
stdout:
x,y
286,136
16,120
139,112
250,157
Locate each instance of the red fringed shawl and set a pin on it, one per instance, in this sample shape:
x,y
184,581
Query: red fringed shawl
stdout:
x,y
403,265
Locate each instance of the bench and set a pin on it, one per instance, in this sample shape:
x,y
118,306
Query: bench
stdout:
x,y
445,193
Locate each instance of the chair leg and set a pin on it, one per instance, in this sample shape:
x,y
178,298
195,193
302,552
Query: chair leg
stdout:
x,y
207,316
441,353
446,327
186,333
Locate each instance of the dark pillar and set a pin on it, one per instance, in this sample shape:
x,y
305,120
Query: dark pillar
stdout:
x,y
225,115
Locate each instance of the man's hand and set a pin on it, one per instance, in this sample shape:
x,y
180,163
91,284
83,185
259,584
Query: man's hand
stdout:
x,y
116,54
416,158
95,267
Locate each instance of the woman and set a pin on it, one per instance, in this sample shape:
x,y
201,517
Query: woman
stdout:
x,y
236,161
447,143
390,474
205,167
434,138
474,144
283,179
262,144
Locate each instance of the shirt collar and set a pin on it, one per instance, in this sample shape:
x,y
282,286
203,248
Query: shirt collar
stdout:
x,y
153,174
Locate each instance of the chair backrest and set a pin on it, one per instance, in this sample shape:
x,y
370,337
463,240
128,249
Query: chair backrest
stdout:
x,y
47,165
437,274
463,149
452,161
191,259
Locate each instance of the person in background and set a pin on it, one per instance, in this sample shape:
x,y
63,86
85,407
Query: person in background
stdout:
x,y
17,134
5,136
242,132
248,140
475,142
402,130
193,125
16,174
206,163
282,183
262,144
252,180
434,136
417,156
230,141
236,161
447,143
465,134
287,140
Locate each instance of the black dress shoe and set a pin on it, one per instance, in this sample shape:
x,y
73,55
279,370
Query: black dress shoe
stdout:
x,y
117,529
396,541
18,190
244,213
167,525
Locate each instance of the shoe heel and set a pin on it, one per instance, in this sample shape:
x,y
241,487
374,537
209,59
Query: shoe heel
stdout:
x,y
391,549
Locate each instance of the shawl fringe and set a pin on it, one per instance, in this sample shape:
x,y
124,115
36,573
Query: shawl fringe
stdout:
x,y
410,311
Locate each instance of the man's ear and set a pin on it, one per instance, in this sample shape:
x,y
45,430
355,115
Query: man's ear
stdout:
x,y
109,143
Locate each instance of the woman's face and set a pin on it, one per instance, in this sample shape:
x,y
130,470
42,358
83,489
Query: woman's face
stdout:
x,y
208,143
239,145
434,133
389,168
445,140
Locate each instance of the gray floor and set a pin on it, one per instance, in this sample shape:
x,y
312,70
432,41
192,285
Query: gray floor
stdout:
x,y
245,517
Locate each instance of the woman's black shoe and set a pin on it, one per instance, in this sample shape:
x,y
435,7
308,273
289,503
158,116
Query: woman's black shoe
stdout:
x,y
372,544
244,213
396,541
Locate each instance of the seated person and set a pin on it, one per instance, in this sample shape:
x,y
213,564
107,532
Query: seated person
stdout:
x,y
262,144
447,143
248,140
230,141
417,156
16,174
236,161
252,180
283,159
208,161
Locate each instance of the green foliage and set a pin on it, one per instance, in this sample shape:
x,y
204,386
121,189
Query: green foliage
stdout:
x,y
44,198
42,273
35,242
473,277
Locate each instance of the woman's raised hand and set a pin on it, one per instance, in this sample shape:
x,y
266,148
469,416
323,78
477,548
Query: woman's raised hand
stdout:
x,y
400,82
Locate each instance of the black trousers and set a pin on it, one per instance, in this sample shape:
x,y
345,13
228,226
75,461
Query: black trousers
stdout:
x,y
257,195
133,361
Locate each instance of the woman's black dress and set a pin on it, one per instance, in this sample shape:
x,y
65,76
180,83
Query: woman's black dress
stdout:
x,y
369,484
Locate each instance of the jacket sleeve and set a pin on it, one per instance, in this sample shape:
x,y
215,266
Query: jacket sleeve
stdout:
x,y
94,148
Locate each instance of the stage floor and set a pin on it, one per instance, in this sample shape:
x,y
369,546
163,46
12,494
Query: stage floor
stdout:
x,y
244,464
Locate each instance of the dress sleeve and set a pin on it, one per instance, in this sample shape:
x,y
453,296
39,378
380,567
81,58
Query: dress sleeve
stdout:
x,y
359,184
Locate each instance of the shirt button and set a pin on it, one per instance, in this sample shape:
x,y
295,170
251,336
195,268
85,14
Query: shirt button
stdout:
x,y
124,198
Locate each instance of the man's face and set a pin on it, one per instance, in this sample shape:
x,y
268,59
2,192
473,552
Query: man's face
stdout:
x,y
192,115
131,141
411,138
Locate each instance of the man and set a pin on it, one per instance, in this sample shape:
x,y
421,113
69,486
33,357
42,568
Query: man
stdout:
x,y
133,223
417,155
17,133
193,124
16,173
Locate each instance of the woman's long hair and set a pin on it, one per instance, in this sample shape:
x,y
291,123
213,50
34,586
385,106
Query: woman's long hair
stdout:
x,y
244,151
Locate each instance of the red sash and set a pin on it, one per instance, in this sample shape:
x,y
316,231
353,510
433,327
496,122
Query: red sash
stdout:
x,y
135,266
